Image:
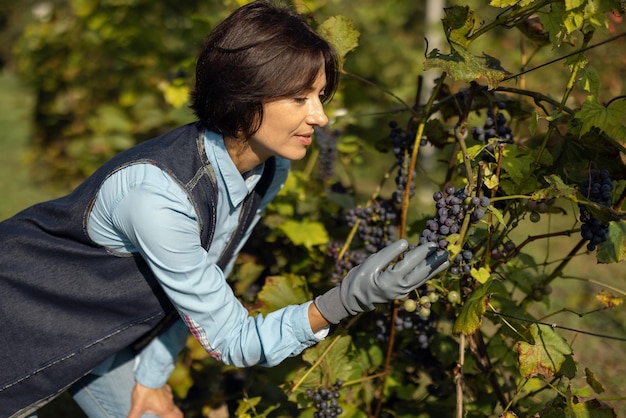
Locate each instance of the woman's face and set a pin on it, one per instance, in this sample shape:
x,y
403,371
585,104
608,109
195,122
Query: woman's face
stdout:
x,y
287,127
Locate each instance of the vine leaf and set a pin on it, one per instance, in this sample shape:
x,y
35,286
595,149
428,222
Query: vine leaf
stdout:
x,y
305,232
340,362
580,407
519,165
460,64
593,382
341,34
608,299
475,307
280,291
247,408
607,119
613,250
458,24
545,356
509,3
481,275
557,189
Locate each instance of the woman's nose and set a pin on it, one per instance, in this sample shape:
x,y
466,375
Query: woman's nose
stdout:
x,y
317,116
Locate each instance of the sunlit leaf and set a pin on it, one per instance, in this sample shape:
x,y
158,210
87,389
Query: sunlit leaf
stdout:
x,y
475,307
481,275
340,362
509,3
589,408
458,24
341,34
545,356
462,65
557,189
280,291
175,94
589,80
608,299
307,233
608,119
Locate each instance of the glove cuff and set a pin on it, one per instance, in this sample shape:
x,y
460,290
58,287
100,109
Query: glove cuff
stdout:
x,y
330,305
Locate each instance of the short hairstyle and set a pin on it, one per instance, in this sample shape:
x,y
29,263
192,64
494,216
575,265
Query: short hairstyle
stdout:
x,y
259,53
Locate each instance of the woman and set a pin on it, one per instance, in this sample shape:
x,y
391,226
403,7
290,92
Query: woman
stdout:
x,y
87,279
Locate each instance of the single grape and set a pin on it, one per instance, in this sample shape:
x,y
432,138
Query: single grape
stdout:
x,y
454,297
410,305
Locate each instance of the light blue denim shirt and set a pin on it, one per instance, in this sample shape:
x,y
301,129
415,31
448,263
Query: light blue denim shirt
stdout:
x,y
142,209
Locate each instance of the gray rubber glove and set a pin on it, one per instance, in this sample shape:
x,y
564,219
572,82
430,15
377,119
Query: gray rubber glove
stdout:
x,y
372,282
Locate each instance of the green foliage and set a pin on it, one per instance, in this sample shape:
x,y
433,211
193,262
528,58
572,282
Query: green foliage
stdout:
x,y
487,352
109,74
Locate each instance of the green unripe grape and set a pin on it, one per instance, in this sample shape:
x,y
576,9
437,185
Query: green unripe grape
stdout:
x,y
425,301
433,297
424,312
410,305
454,297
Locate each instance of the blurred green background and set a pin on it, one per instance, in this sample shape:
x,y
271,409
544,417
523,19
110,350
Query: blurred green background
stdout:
x,y
28,175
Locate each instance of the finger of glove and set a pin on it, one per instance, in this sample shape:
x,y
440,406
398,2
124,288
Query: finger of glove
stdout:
x,y
435,263
381,259
436,259
412,258
439,269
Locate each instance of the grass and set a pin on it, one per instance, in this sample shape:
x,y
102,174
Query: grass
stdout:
x,y
16,186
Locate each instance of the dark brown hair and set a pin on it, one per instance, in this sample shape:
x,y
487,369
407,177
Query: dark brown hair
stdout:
x,y
259,53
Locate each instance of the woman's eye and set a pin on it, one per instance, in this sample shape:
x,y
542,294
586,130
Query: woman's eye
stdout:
x,y
300,99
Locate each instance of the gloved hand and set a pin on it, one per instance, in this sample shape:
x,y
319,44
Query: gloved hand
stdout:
x,y
372,282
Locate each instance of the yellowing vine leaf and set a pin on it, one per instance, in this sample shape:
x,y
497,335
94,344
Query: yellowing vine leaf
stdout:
x,y
458,24
280,291
341,34
557,189
475,307
608,299
462,65
508,3
481,275
305,232
545,356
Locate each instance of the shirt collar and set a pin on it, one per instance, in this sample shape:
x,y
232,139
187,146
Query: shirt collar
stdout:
x,y
236,186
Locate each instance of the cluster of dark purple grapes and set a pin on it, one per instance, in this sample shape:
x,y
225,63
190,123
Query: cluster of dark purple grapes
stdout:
x,y
598,188
402,146
347,262
376,224
495,126
327,157
453,205
326,401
